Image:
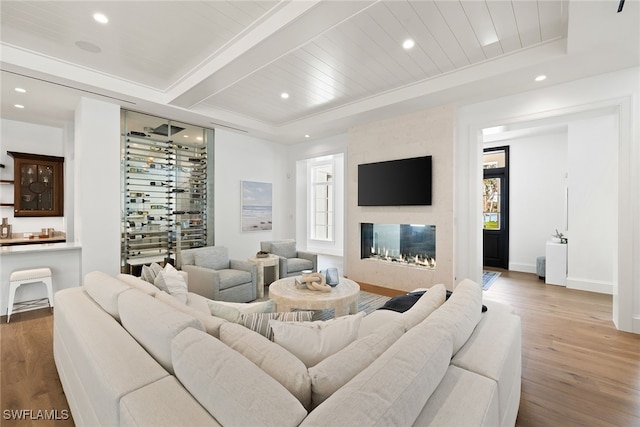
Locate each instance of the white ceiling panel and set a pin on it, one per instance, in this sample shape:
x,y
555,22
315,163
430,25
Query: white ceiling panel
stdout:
x,y
153,43
504,21
456,18
228,62
528,22
480,20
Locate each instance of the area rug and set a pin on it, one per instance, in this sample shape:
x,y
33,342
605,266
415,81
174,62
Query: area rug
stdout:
x,y
367,302
488,277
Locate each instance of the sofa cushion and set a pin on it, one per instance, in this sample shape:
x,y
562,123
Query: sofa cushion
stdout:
x,y
392,390
373,321
494,350
213,257
138,283
105,290
462,399
259,322
281,365
173,282
312,342
198,303
299,264
285,249
229,386
461,313
339,368
211,323
233,311
98,361
427,304
153,324
163,403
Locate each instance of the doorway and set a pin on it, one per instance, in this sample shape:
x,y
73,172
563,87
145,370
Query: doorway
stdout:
x,y
495,207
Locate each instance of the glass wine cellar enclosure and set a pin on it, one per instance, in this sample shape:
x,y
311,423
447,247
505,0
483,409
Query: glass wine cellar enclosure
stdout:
x,y
165,209
413,245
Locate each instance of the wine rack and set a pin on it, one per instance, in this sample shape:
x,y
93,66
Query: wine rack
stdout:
x,y
165,199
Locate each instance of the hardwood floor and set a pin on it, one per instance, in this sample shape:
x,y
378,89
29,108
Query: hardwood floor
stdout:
x,y
30,389
577,369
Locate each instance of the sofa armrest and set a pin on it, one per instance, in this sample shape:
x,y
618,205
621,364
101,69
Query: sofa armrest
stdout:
x,y
235,264
311,257
202,281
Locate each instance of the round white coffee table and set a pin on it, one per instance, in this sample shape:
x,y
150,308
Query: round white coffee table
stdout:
x,y
343,298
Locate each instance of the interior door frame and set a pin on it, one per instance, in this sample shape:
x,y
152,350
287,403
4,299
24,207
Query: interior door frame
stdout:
x,y
504,206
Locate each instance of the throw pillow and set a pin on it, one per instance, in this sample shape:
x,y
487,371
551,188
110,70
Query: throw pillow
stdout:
x,y
284,249
260,322
147,274
171,281
155,267
312,342
233,311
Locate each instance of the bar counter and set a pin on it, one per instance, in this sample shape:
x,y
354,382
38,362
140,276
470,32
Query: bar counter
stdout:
x,y
64,260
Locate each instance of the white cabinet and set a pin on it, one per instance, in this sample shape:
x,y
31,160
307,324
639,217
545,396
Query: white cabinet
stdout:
x,y
556,264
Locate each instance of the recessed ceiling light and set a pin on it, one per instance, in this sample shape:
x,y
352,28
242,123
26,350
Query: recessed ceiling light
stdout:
x,y
100,17
19,106
541,78
307,136
185,136
408,44
199,138
284,95
21,90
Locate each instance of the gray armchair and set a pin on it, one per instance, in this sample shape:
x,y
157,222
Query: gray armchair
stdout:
x,y
292,261
213,275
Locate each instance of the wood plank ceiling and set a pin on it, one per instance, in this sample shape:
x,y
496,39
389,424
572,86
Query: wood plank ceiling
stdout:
x,y
172,47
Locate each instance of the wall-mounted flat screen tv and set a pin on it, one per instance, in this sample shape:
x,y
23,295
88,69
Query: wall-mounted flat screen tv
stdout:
x,y
404,182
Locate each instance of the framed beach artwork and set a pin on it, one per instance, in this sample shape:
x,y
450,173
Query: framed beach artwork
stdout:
x,y
257,212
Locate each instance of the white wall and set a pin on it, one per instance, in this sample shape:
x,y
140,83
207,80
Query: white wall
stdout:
x,y
35,139
593,203
245,158
618,90
537,181
97,183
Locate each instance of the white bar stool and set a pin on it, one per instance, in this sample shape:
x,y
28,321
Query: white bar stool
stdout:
x,y
23,277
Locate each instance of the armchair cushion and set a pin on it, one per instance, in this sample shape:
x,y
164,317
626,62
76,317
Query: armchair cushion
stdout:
x,y
298,264
214,258
232,278
284,249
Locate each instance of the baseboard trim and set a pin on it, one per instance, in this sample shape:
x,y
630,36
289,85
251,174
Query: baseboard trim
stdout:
x,y
380,290
523,268
590,285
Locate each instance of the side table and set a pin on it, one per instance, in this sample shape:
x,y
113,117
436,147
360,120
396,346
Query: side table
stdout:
x,y
261,263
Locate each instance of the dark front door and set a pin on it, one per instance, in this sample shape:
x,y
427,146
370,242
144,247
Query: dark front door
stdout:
x,y
495,207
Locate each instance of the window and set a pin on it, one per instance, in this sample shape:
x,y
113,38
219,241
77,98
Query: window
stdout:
x,y
491,203
322,202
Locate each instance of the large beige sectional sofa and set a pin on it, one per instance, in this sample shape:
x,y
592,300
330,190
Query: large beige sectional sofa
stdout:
x,y
129,354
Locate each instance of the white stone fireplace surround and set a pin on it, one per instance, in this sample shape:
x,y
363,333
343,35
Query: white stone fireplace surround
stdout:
x,y
428,132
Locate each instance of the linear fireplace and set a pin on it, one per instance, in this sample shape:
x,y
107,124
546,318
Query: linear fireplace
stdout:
x,y
412,245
